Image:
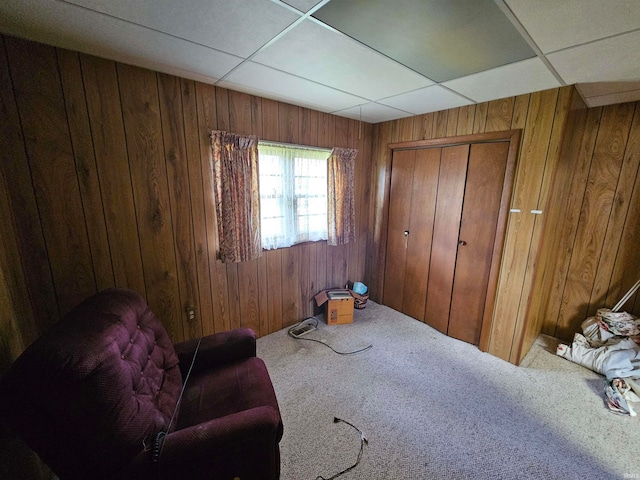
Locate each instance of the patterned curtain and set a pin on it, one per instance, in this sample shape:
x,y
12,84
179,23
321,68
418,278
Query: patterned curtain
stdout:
x,y
340,192
237,197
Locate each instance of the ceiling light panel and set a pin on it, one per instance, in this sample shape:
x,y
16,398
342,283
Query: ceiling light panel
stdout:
x,y
239,28
527,76
259,80
315,52
558,24
426,100
441,39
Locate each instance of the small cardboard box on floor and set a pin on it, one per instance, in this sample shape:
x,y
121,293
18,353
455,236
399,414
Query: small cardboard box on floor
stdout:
x,y
339,305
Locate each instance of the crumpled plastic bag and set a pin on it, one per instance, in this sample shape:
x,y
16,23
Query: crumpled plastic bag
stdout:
x,y
619,394
619,357
618,323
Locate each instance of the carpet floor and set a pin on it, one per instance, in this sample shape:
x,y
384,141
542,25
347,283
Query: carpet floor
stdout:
x,y
433,407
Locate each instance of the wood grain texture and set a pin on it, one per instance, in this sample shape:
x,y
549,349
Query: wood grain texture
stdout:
x,y
446,228
551,167
625,271
29,236
141,115
133,149
440,124
110,147
520,109
205,107
535,114
483,191
17,325
452,122
86,168
554,225
627,179
177,166
379,215
499,115
423,192
423,127
465,120
207,121
480,119
41,108
402,170
535,145
580,158
204,303
402,129
594,217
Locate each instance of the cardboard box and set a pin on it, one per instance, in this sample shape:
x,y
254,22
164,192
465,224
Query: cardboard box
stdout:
x,y
339,309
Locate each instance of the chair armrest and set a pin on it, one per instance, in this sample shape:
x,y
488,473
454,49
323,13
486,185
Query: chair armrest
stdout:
x,y
214,437
233,442
217,349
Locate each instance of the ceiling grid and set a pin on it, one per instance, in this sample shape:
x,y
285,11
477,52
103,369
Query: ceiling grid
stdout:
x,y
374,60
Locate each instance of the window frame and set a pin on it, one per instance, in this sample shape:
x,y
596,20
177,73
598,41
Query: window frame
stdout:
x,y
291,216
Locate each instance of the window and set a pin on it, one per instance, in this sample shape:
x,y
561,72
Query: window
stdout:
x,y
293,194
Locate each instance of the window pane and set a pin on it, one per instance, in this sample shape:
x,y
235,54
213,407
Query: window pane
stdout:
x,y
293,195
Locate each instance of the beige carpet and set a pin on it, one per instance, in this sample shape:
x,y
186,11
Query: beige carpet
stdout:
x,y
436,408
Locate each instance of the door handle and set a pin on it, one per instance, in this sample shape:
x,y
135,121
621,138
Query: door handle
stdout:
x,y
462,242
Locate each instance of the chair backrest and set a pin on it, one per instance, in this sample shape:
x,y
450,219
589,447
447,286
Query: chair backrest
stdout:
x,y
87,393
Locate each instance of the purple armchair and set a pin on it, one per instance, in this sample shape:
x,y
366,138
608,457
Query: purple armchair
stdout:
x,y
90,395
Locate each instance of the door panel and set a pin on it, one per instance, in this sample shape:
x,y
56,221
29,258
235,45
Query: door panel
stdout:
x,y
402,168
423,203
485,177
451,186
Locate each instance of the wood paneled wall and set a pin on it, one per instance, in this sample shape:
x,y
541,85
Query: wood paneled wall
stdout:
x,y
597,235
106,172
542,116
106,181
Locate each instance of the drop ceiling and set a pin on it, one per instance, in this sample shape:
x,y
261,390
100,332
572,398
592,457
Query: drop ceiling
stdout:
x,y
374,60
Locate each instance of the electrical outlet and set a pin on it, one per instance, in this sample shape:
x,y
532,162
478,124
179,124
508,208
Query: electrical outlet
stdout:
x,y
191,314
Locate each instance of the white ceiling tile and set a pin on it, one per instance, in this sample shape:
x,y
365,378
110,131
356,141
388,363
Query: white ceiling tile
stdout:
x,y
266,82
239,28
302,5
522,77
68,26
425,100
372,113
314,52
615,59
556,24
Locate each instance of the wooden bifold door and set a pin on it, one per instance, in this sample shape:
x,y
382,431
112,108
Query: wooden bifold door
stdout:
x,y
445,231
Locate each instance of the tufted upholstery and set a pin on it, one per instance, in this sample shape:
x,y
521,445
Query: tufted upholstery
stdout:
x,y
106,377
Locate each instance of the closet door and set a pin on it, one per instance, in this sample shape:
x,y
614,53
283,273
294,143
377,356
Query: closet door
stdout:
x,y
444,208
446,228
483,191
402,167
422,212
414,185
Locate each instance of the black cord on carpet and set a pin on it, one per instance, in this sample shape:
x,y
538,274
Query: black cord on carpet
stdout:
x,y
363,440
291,329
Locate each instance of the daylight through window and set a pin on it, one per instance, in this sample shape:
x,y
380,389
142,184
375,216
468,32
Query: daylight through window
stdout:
x,y
293,194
